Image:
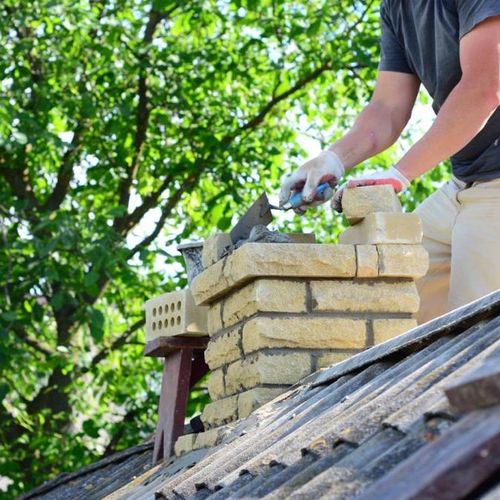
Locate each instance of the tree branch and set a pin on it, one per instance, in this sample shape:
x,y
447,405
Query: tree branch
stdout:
x,y
142,116
120,431
116,344
149,202
19,182
65,174
22,334
167,209
259,118
193,178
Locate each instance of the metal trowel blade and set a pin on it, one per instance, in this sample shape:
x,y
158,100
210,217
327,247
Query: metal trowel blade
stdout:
x,y
258,213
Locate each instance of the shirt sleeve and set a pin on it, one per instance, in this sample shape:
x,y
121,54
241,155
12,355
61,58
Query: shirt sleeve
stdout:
x,y
392,53
473,12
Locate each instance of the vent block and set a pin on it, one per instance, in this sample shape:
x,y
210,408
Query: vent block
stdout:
x,y
173,314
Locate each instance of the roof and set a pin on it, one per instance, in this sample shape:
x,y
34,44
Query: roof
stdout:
x,y
98,479
377,425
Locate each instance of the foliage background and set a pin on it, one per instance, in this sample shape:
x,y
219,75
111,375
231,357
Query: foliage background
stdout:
x,y
126,127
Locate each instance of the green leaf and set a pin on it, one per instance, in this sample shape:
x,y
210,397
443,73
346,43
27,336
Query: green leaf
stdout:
x,y
4,390
117,211
90,428
97,321
9,316
163,5
58,301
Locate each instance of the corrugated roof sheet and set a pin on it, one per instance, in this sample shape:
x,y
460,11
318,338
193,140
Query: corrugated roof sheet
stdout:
x,y
98,479
358,429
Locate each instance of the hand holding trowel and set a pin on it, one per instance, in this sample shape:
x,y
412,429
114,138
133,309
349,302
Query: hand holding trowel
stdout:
x,y
260,212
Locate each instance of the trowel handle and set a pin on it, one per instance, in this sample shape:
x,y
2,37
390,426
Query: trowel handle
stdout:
x,y
296,200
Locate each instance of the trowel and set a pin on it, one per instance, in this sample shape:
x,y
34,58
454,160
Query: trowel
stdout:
x,y
260,213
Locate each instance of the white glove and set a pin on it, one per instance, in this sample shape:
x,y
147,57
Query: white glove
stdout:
x,y
391,176
326,167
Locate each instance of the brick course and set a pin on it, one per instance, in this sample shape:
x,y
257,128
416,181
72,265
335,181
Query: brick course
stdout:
x,y
184,444
264,368
224,349
220,412
281,260
365,296
304,332
385,228
215,384
250,400
332,358
214,318
264,296
386,329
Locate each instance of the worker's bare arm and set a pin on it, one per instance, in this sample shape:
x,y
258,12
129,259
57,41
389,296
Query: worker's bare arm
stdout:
x,y
381,122
468,108
378,127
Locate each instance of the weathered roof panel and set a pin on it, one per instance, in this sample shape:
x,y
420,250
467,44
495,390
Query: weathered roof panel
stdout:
x,y
98,479
360,429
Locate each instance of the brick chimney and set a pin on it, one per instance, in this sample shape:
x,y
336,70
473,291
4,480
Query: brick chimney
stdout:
x,y
277,312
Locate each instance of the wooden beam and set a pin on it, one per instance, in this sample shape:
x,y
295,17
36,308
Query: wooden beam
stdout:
x,y
162,346
199,368
173,400
451,467
478,389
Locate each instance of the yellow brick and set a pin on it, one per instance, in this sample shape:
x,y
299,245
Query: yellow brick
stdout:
x,y
251,400
175,313
357,203
184,444
220,412
274,369
210,438
214,318
362,296
223,349
332,358
264,296
215,385
367,260
385,228
291,260
210,283
304,332
214,247
402,261
385,329
273,260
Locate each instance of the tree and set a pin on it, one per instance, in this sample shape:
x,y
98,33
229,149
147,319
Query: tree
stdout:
x,y
126,127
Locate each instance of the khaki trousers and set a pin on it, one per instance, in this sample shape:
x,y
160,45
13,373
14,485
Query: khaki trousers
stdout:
x,y
462,235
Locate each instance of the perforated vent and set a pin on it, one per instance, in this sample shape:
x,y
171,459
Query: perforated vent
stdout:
x,y
174,314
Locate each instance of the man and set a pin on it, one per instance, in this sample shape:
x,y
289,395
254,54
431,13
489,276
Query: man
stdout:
x,y
452,47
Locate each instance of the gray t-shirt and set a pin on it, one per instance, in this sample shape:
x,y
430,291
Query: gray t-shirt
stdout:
x,y
422,37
